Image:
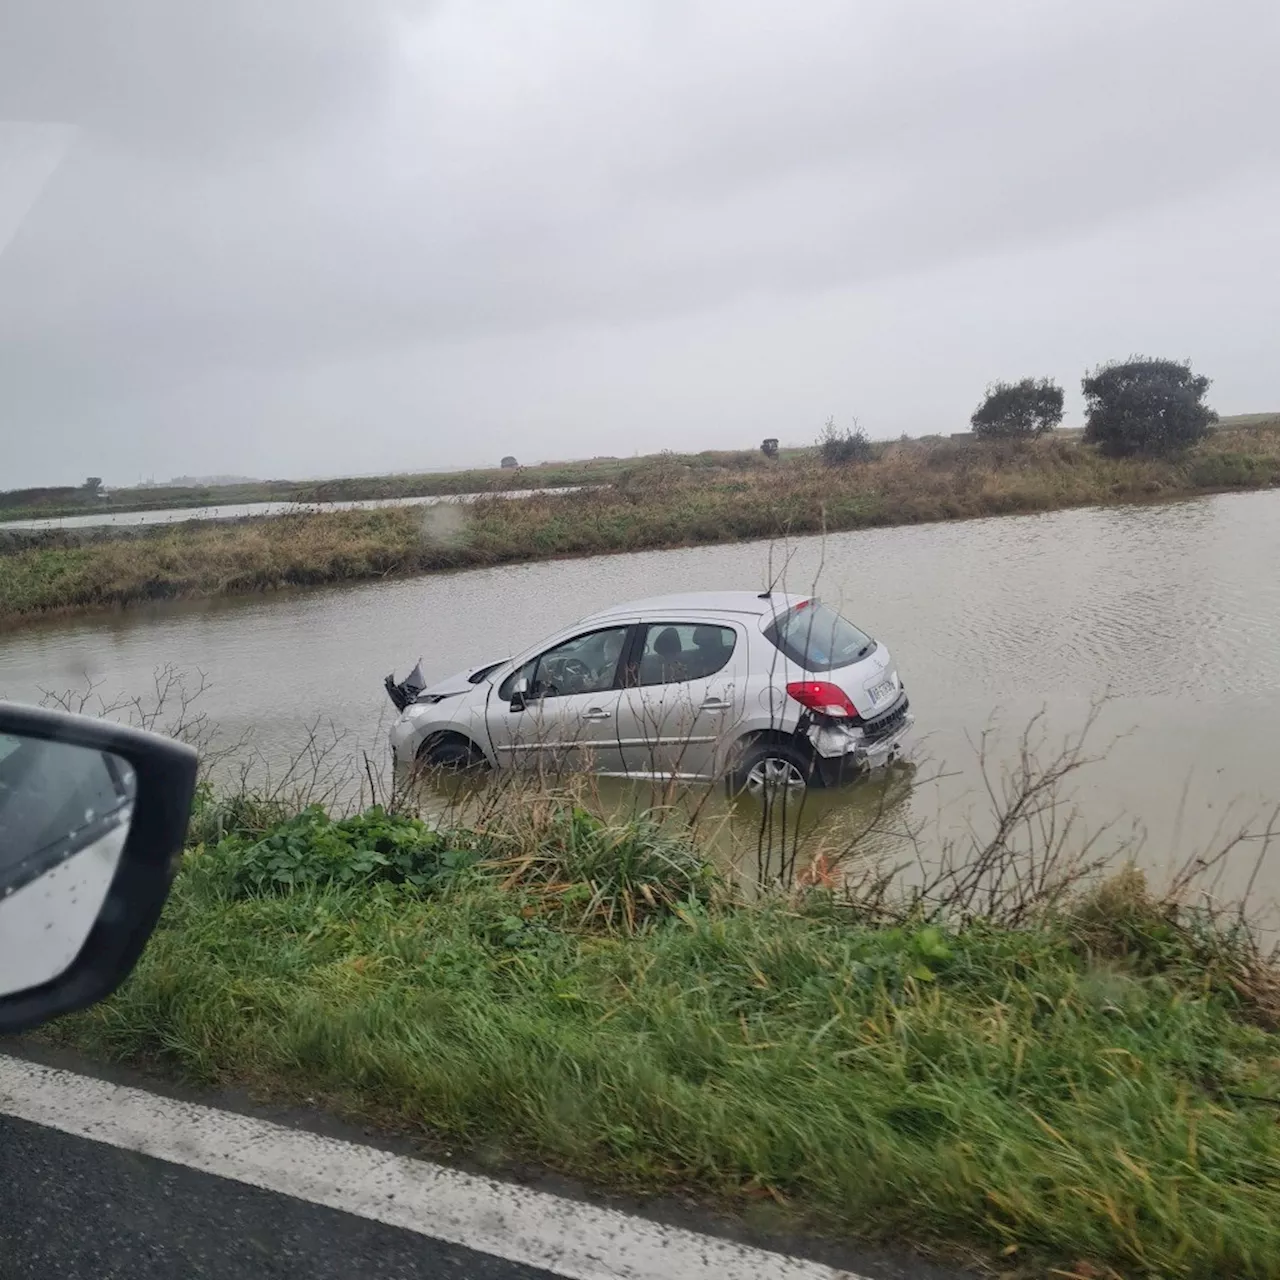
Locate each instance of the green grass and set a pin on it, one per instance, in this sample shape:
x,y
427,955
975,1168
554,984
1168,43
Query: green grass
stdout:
x,y
586,996
656,503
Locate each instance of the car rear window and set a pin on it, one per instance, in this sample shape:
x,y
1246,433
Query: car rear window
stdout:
x,y
818,638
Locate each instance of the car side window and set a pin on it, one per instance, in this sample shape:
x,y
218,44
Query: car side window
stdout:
x,y
676,651
585,664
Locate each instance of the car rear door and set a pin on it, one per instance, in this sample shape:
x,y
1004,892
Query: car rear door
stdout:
x,y
684,693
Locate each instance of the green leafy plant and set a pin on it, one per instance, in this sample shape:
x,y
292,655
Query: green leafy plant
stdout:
x,y
312,850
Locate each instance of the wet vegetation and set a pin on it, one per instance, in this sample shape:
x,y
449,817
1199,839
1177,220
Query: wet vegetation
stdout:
x,y
1083,1074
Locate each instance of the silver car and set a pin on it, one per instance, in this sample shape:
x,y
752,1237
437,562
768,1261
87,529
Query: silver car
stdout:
x,y
768,691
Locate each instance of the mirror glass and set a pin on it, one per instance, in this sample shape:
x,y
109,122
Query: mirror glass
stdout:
x,y
65,812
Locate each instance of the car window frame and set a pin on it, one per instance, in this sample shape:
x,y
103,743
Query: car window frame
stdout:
x,y
628,640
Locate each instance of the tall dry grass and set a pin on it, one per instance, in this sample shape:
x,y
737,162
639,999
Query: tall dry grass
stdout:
x,y
654,503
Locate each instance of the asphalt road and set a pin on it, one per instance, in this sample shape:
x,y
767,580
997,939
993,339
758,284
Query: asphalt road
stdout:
x,y
81,1210
117,1177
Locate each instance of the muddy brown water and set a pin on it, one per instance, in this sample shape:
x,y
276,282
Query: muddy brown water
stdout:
x,y
1173,610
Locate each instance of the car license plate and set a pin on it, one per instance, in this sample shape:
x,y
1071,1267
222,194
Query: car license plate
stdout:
x,y
881,691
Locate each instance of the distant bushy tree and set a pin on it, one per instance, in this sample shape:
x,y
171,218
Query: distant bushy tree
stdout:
x,y
839,448
1018,410
93,486
1146,406
769,446
509,462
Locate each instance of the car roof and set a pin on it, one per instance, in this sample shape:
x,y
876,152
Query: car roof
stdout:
x,y
704,602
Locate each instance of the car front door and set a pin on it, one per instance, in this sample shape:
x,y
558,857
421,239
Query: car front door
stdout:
x,y
566,718
684,692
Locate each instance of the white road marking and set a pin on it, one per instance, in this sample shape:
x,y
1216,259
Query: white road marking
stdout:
x,y
579,1241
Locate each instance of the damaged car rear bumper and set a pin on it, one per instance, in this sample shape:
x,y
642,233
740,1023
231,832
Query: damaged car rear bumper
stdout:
x,y
844,747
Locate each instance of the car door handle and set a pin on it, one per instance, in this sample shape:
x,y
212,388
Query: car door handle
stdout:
x,y
715,704
596,713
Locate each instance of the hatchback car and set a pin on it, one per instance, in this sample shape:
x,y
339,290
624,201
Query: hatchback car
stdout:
x,y
768,691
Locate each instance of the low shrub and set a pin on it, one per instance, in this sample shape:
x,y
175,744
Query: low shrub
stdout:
x,y
1146,406
312,850
839,448
1018,410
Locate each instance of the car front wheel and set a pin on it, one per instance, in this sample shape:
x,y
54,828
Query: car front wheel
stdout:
x,y
454,755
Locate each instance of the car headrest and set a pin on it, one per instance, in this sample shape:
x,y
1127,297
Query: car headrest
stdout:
x,y
668,644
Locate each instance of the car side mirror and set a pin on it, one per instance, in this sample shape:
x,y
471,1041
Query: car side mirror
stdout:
x,y
93,817
520,694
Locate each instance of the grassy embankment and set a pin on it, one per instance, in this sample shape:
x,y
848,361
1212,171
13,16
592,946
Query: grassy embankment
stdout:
x,y
1089,1085
661,502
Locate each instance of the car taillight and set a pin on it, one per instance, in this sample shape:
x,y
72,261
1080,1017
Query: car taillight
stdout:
x,y
823,697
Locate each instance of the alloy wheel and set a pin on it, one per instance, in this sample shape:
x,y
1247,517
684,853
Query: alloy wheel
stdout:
x,y
774,774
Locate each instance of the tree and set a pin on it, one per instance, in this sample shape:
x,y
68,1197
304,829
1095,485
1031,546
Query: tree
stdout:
x,y
1145,406
769,446
839,448
1018,410
509,462
93,486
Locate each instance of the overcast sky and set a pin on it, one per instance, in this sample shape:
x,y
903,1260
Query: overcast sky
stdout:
x,y
304,237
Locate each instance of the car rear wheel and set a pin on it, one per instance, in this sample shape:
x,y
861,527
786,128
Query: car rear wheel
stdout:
x,y
770,769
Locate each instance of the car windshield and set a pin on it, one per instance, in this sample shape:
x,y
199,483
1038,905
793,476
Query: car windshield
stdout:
x,y
818,638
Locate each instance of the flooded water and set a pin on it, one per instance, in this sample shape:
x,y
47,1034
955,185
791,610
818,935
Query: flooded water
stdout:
x,y
238,511
1174,611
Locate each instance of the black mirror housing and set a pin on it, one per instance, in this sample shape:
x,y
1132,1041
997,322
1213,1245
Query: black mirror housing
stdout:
x,y
162,780
521,694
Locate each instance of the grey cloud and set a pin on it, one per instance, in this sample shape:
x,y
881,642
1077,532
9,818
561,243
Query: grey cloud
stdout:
x,y
186,80
260,192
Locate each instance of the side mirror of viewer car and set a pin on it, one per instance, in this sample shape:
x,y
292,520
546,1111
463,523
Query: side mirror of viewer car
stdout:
x,y
93,817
